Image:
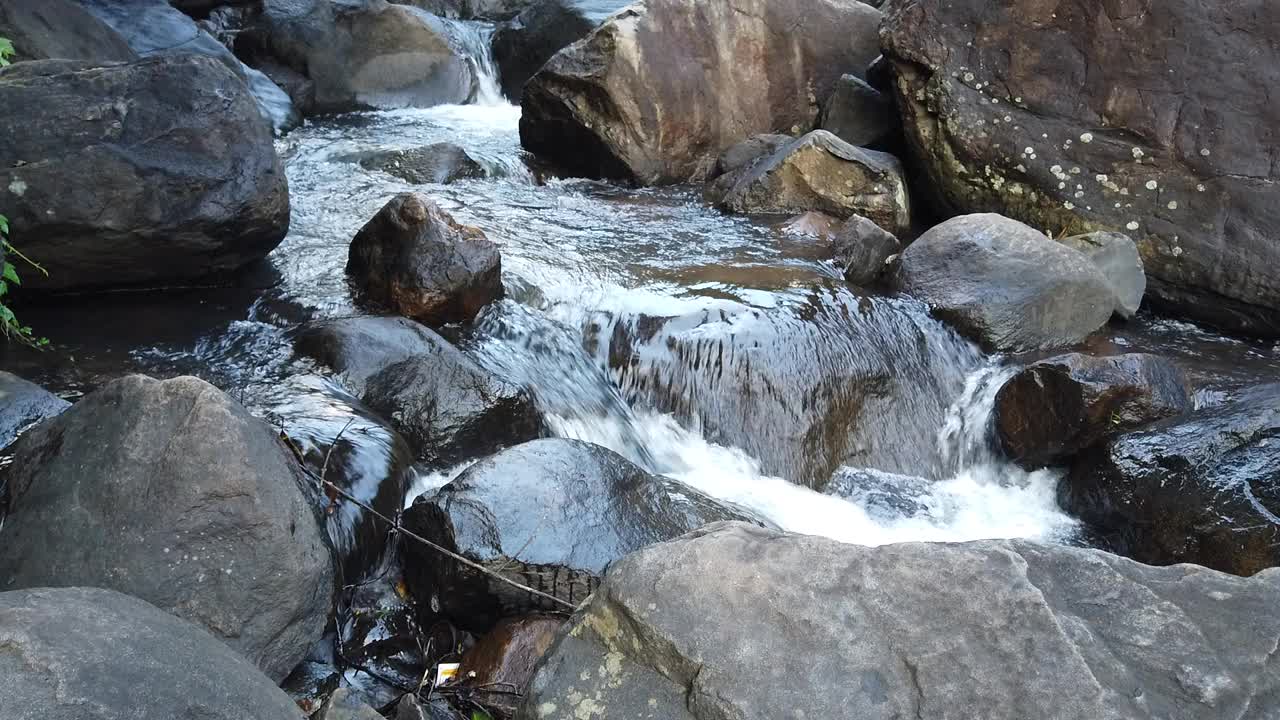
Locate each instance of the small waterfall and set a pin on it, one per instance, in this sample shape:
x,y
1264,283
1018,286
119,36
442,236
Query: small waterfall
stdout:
x,y
474,40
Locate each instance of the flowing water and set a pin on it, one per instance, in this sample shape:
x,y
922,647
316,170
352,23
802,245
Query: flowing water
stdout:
x,y
717,350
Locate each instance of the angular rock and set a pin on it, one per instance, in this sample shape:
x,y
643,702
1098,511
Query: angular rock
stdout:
x,y
504,659
59,29
415,260
343,705
1005,284
158,171
742,154
885,496
449,408
858,113
155,28
551,514
23,404
523,46
622,103
1171,143
1057,407
359,348
441,163
366,53
812,224
175,494
1117,257
92,654
863,249
711,625
1203,489
819,171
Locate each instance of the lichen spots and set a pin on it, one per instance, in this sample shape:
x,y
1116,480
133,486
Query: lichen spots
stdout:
x,y
1173,205
1152,184
1133,225
18,187
1086,138
547,709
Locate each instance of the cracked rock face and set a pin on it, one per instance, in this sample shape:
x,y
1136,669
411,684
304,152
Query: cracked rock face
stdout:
x,y
997,630
1158,120
658,91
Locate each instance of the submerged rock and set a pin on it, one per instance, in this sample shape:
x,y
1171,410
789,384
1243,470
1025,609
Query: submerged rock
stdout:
x,y
91,654
523,46
885,496
1092,118
1203,489
1117,257
171,492
1057,407
157,171
712,625
360,347
859,114
620,103
862,250
60,29
23,404
450,408
366,53
550,514
1005,284
414,259
441,163
819,171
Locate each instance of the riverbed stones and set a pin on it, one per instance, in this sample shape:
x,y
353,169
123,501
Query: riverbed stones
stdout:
x,y
1117,257
93,654
504,659
1097,118
358,348
550,514
366,53
1055,408
412,258
171,492
712,625
59,29
819,171
863,249
1005,284
23,404
449,408
158,171
622,103
439,163
522,46
858,113
1201,489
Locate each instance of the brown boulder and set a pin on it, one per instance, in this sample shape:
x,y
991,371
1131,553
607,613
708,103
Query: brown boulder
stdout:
x,y
1156,120
658,91
413,259
501,664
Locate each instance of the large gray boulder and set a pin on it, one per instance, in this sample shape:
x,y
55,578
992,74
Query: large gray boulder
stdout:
x,y
1204,488
623,103
551,514
366,53
92,654
859,114
59,29
736,621
522,46
821,172
158,171
23,404
1118,259
1005,284
171,492
1092,116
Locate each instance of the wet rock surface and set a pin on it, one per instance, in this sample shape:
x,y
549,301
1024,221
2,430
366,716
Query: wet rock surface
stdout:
x,y
617,105
60,29
91,654
158,171
1005,284
1117,257
449,408
1093,626
23,404
859,114
1057,407
523,46
1098,118
819,171
414,259
441,163
358,348
1203,489
502,662
175,494
550,514
862,250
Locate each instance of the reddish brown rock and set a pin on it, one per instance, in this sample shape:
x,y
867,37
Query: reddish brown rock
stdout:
x,y
503,661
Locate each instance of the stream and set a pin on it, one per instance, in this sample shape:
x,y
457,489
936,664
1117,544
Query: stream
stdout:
x,y
721,351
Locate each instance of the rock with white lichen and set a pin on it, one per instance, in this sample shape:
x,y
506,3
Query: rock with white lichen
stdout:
x,y
735,621
1095,115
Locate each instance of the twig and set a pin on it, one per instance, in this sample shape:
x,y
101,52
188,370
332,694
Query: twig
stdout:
x,y
324,469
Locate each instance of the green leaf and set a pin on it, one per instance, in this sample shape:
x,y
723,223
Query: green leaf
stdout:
x,y
480,715
6,51
7,317
4,225
10,273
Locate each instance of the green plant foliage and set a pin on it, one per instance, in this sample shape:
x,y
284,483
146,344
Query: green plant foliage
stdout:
x,y
10,328
6,51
